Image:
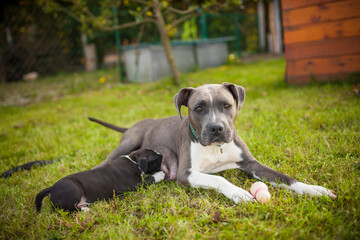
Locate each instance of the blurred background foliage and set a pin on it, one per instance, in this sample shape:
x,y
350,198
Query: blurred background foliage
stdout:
x,y
49,42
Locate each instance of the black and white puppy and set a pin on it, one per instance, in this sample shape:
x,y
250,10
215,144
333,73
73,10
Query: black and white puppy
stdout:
x,y
122,174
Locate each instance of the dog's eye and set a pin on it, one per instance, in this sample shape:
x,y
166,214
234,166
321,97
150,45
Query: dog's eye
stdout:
x,y
198,109
227,106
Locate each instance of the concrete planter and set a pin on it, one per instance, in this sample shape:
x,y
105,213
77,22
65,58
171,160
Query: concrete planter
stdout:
x,y
147,62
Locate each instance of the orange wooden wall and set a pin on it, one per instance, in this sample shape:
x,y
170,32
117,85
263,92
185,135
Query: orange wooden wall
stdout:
x,y
321,38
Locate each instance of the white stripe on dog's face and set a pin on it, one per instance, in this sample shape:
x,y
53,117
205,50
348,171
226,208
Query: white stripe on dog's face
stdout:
x,y
207,113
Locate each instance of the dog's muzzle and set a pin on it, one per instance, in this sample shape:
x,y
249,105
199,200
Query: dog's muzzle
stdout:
x,y
215,133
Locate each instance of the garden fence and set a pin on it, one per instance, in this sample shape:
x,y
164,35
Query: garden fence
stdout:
x,y
33,41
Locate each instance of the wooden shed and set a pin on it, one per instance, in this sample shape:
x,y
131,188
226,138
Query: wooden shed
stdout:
x,y
321,39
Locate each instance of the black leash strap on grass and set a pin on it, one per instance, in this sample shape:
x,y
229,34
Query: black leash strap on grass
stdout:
x,y
27,166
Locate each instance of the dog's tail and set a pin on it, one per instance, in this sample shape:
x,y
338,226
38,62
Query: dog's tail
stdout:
x,y
109,125
40,197
26,166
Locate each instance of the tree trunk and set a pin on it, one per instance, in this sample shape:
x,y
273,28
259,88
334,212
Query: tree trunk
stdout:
x,y
166,43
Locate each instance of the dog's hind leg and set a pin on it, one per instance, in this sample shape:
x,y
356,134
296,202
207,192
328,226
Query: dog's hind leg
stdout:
x,y
85,209
67,194
83,204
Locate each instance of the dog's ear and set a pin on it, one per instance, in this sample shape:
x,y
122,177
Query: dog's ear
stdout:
x,y
238,93
143,164
181,98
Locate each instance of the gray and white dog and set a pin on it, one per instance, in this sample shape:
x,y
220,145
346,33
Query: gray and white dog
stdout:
x,y
206,142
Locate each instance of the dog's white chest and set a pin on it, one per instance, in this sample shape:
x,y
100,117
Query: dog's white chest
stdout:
x,y
210,159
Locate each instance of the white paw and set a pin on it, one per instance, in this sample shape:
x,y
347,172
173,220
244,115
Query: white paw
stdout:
x,y
85,209
312,190
240,195
159,176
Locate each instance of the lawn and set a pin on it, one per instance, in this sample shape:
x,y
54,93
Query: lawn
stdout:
x,y
311,133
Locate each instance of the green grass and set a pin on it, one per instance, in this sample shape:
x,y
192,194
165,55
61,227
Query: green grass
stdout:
x,y
311,133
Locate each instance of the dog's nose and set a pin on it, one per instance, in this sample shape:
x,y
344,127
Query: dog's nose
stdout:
x,y
215,128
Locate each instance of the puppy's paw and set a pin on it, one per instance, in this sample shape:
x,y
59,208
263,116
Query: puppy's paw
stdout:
x,y
85,209
159,176
240,195
312,190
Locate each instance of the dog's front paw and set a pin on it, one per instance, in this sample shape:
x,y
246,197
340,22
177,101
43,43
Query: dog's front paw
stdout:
x,y
240,195
312,190
159,176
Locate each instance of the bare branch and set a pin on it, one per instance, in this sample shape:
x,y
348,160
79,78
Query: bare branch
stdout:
x,y
126,25
145,10
100,25
182,12
67,11
213,8
140,1
241,28
183,19
92,16
192,12
103,27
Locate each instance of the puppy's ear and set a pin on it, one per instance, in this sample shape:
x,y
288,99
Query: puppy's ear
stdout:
x,y
143,164
238,93
181,98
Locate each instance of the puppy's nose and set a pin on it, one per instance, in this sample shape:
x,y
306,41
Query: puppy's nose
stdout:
x,y
215,128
